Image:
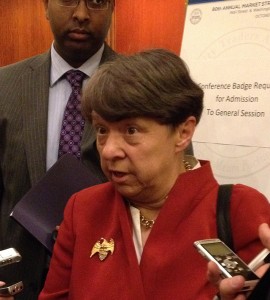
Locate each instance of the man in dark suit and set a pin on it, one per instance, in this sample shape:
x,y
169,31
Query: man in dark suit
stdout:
x,y
32,100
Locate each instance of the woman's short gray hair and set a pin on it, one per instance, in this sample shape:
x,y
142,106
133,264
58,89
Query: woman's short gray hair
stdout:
x,y
155,84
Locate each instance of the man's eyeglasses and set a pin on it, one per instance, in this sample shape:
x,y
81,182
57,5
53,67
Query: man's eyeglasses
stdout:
x,y
91,4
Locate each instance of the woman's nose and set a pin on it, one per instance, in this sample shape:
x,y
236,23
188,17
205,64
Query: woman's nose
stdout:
x,y
112,148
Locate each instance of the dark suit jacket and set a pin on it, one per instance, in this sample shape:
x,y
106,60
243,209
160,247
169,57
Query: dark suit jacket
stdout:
x,y
24,96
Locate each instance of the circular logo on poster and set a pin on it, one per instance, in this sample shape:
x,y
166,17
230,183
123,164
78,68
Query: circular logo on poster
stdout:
x,y
248,40
232,162
195,16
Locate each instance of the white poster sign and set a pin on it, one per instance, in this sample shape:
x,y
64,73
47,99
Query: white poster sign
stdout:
x,y
227,48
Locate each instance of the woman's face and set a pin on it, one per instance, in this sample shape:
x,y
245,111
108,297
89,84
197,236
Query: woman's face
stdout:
x,y
138,155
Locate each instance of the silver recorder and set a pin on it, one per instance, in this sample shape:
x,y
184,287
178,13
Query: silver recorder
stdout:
x,y
12,289
9,256
227,261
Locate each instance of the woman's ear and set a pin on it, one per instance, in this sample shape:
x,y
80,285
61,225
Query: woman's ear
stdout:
x,y
185,133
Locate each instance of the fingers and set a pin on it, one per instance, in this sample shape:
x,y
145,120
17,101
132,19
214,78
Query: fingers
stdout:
x,y
5,298
264,234
229,288
2,283
213,274
261,271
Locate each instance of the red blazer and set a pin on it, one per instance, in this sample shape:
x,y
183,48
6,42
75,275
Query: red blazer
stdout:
x,y
170,267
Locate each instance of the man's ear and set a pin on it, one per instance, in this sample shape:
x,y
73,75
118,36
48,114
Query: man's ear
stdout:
x,y
112,3
185,133
46,3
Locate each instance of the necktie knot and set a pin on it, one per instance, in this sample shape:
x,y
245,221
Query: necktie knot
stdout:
x,y
75,78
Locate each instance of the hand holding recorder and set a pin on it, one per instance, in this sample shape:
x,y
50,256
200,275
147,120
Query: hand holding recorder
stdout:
x,y
227,261
230,288
7,257
5,298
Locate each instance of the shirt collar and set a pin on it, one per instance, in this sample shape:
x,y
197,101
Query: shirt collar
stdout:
x,y
59,66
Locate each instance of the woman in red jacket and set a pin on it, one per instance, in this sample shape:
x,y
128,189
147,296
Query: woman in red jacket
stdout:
x,y
132,238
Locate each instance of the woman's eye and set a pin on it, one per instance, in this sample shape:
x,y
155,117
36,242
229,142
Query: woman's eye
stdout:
x,y
101,130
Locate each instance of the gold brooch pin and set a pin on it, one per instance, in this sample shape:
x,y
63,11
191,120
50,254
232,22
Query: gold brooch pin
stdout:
x,y
103,247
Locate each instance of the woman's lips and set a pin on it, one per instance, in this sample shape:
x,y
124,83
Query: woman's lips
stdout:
x,y
118,177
